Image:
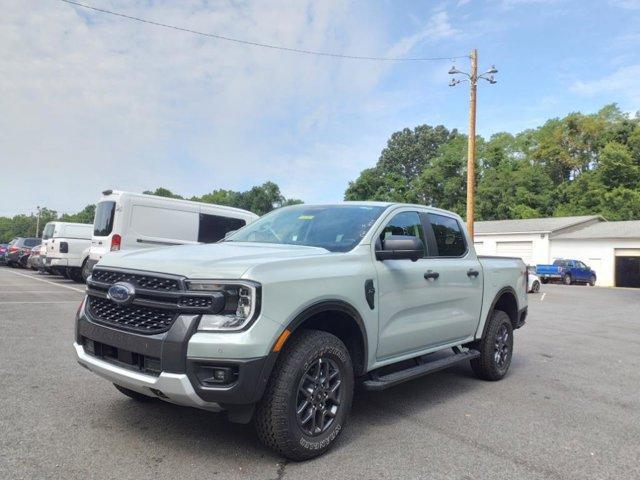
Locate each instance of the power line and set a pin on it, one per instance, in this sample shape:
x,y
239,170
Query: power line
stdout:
x,y
258,44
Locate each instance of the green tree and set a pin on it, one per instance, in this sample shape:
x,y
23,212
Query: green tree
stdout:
x,y
162,192
617,167
407,154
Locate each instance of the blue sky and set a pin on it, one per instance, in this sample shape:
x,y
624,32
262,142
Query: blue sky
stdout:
x,y
92,101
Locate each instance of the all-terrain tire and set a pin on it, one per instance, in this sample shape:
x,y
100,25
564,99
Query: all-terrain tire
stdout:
x,y
496,348
139,397
277,420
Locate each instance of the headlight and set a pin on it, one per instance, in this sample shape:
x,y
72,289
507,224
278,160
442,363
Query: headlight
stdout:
x,y
242,304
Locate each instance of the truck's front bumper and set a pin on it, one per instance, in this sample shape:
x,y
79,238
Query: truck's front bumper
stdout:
x,y
172,387
158,365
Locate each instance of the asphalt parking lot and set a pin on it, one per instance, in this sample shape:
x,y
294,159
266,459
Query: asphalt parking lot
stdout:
x,y
569,409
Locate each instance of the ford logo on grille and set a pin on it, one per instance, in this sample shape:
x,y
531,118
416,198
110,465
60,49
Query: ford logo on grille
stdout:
x,y
121,292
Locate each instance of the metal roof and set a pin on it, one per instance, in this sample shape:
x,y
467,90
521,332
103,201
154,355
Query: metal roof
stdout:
x,y
626,229
531,225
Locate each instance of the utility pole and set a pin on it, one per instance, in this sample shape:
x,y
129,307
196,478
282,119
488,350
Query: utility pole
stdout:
x,y
38,221
472,78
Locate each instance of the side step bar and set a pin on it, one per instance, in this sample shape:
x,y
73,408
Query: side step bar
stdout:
x,y
381,382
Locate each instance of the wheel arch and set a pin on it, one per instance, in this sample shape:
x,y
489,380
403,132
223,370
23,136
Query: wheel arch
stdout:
x,y
340,319
507,301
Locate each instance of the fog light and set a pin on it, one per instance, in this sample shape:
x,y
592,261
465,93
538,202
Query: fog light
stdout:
x,y
213,376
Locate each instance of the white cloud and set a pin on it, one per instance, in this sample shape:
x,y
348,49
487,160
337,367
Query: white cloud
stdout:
x,y
623,82
437,28
92,101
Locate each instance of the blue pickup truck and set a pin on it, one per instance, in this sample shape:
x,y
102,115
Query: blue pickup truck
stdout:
x,y
566,271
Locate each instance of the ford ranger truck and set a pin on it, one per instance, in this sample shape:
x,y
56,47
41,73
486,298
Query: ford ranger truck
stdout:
x,y
278,321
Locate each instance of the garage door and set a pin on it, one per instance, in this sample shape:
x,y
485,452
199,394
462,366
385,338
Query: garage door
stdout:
x,y
523,250
627,267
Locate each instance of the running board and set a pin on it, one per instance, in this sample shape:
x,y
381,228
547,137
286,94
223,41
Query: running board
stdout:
x,y
381,382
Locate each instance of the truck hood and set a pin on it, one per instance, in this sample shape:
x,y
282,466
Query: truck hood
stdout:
x,y
226,260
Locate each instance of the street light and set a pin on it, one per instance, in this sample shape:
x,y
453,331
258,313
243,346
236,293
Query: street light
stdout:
x,y
472,77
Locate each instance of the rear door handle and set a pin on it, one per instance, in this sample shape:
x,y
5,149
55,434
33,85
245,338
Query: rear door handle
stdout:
x,y
431,275
472,273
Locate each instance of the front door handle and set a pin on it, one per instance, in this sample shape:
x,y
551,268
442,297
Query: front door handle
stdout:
x,y
472,273
431,275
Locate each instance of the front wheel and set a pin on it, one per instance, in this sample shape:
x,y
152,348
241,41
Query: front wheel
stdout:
x,y
308,398
592,280
496,348
535,288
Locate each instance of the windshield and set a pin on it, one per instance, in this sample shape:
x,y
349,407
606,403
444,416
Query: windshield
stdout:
x,y
103,222
337,228
48,231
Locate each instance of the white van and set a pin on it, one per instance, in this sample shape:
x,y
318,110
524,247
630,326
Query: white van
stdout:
x,y
128,221
66,248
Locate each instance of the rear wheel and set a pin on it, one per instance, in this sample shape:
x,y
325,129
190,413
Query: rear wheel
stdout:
x,y
86,270
544,280
308,397
75,274
566,279
133,394
496,348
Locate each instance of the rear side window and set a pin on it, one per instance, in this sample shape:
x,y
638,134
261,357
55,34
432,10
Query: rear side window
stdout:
x,y
214,227
31,242
405,224
448,235
103,221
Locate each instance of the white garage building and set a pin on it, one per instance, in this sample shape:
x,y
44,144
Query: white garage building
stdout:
x,y
612,249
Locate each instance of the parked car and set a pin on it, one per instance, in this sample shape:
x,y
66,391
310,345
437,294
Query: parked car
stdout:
x,y
35,261
17,248
277,321
533,281
3,253
128,221
566,271
67,248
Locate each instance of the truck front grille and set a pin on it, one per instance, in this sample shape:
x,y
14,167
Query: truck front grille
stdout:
x,y
135,318
147,282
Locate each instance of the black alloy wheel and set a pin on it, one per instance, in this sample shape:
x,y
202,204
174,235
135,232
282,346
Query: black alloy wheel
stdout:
x,y
502,347
318,399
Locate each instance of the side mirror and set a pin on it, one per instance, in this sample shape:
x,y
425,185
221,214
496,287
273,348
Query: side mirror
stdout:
x,y
399,247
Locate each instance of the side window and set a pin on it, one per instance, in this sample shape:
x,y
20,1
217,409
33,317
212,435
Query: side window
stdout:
x,y
214,227
580,265
31,242
448,235
405,224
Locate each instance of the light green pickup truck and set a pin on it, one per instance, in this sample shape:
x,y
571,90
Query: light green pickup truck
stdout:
x,y
278,322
